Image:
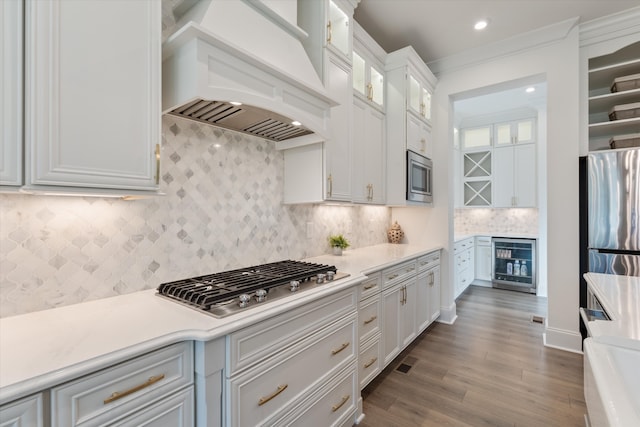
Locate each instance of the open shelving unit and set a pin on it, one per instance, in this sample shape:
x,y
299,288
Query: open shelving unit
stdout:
x,y
602,72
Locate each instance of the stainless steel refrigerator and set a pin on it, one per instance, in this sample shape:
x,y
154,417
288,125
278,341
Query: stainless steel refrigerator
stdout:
x,y
613,212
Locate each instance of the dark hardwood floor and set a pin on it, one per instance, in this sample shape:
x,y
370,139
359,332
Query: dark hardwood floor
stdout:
x,y
490,368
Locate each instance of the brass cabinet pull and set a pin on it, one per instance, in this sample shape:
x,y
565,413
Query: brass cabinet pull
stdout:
x,y
334,408
342,347
431,278
330,192
280,389
369,91
366,322
369,286
157,164
370,362
329,31
120,394
393,276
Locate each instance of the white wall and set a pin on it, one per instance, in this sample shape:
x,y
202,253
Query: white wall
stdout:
x,y
558,63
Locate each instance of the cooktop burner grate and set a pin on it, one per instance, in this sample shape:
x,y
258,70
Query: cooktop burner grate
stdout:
x,y
203,292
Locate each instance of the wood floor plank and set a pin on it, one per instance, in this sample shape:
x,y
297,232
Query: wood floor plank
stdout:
x,y
490,368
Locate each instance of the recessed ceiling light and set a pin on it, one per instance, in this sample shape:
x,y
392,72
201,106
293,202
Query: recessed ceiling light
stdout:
x,y
530,89
481,25
235,103
296,123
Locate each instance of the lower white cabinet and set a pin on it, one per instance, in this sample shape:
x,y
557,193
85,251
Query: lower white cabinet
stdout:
x,y
399,324
174,411
22,413
127,390
483,258
275,365
463,252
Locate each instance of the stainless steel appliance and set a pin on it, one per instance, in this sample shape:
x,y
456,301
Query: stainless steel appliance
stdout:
x,y
514,264
225,293
419,178
613,210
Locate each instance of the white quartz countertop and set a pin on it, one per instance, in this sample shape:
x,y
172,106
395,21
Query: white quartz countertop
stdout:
x,y
41,349
620,298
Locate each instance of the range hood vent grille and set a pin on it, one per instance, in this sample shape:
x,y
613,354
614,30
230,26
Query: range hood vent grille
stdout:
x,y
243,118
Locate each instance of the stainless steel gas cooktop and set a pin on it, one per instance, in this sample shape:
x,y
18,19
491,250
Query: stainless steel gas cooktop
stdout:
x,y
228,292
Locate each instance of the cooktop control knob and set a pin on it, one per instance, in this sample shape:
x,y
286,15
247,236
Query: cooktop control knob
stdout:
x,y
294,285
320,278
261,295
330,275
244,300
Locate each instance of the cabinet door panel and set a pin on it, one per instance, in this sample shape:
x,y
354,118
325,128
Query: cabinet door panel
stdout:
x,y
11,93
434,293
525,176
503,178
373,154
93,93
391,323
338,152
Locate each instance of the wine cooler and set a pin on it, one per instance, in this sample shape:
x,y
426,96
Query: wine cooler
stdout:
x,y
514,264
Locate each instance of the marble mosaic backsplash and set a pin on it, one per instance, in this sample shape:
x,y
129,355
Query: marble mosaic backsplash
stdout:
x,y
222,210
485,220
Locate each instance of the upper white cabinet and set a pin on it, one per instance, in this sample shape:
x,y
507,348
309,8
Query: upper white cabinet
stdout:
x,y
409,87
92,96
11,12
323,172
514,157
369,134
498,164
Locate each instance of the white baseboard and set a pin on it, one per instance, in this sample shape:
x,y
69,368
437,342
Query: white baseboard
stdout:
x,y
562,340
448,314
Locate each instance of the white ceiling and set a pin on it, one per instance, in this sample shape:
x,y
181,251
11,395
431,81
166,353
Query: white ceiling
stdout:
x,y
440,28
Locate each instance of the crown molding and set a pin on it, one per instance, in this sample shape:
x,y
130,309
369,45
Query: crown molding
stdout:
x,y
613,26
517,44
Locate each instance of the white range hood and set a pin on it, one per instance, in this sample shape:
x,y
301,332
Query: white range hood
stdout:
x,y
244,51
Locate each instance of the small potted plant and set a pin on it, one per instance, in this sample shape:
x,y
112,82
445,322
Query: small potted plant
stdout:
x,y
338,243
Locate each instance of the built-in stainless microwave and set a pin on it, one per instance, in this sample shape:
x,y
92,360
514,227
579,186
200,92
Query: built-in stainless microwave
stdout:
x,y
419,178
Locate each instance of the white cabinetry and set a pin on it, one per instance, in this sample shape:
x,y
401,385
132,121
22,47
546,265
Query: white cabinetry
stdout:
x,y
399,307
92,96
368,119
514,155
483,258
322,171
26,412
276,369
369,331
498,164
338,148
153,386
409,87
11,93
464,265
428,282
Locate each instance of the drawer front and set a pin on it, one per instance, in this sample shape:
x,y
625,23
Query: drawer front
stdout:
x,y
371,286
24,412
174,411
463,245
398,273
369,362
483,240
266,391
425,262
369,316
334,405
257,342
115,391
